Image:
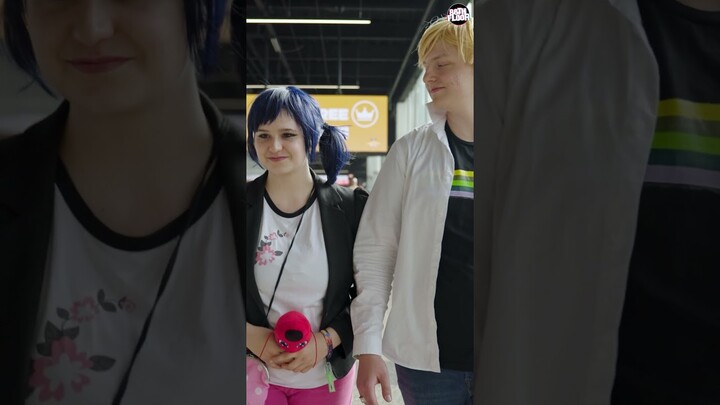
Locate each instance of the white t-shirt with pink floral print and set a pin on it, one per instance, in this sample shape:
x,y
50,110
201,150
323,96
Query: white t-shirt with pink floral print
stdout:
x,y
304,281
98,290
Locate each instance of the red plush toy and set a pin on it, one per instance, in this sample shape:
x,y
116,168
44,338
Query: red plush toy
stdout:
x,y
293,331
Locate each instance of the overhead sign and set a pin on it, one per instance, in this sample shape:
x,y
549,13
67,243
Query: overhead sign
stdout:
x,y
364,119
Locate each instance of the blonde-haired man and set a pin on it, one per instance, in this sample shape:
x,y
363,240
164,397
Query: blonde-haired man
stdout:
x,y
416,233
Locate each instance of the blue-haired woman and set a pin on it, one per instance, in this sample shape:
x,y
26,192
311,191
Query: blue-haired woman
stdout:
x,y
301,231
120,232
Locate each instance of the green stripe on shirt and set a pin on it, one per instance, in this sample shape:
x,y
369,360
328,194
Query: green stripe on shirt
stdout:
x,y
689,109
463,183
686,142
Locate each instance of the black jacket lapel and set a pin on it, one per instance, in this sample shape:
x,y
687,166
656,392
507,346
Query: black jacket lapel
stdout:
x,y
230,149
27,173
253,302
338,245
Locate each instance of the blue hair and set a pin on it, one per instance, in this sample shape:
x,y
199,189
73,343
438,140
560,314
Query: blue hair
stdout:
x,y
202,19
305,110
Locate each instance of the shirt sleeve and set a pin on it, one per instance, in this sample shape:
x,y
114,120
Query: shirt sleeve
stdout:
x,y
375,251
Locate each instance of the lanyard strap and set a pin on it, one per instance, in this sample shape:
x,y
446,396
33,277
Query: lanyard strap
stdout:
x,y
192,211
292,241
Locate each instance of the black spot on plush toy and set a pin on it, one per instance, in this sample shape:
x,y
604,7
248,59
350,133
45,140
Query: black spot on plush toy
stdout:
x,y
293,331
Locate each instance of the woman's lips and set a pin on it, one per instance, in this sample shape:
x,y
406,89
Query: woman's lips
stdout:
x,y
98,65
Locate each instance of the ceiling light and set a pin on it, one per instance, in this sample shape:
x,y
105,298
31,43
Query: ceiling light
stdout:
x,y
306,86
305,21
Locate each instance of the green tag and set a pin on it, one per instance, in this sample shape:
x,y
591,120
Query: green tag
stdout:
x,y
330,377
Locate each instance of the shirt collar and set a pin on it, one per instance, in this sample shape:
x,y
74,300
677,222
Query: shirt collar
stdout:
x,y
438,117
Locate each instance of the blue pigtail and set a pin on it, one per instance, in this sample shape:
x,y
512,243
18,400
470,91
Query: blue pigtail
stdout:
x,y
333,151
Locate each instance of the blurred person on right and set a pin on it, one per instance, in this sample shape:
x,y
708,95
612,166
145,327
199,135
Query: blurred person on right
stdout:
x,y
416,234
597,208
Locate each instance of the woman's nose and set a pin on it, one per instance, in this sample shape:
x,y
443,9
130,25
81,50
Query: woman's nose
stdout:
x,y
94,22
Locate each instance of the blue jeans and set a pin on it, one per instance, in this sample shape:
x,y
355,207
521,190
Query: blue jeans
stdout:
x,y
449,387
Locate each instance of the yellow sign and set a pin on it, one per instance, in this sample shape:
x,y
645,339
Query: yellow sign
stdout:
x,y
364,119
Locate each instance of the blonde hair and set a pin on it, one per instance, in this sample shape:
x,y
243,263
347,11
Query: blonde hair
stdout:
x,y
458,36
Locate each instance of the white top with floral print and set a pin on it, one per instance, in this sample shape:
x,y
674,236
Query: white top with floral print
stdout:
x,y
304,280
95,300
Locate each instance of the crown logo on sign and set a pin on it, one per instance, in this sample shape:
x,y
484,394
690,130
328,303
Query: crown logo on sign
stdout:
x,y
364,115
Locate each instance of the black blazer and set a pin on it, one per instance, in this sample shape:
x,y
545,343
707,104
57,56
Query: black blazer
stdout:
x,y
27,175
340,211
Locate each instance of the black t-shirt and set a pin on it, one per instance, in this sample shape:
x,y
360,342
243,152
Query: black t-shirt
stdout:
x,y
454,294
669,349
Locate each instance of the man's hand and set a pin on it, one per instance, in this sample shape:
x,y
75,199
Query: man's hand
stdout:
x,y
371,371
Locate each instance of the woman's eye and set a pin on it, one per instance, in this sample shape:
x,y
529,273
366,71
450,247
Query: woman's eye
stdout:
x,y
288,135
